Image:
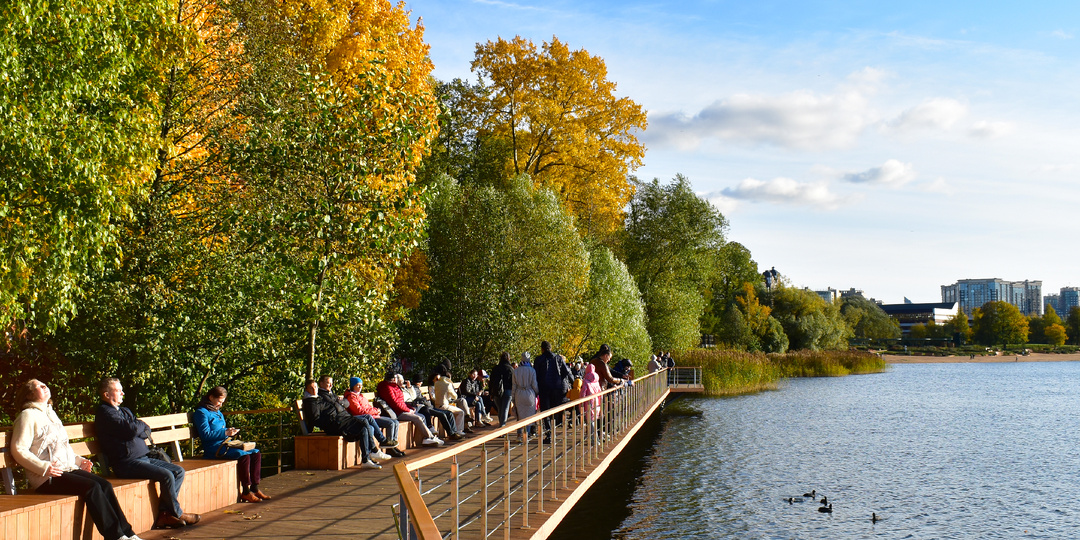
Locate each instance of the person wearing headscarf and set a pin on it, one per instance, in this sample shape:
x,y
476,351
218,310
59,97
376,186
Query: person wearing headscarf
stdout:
x,y
654,364
446,398
525,389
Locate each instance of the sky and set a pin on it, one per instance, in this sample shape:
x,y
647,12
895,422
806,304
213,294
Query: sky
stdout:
x,y
891,147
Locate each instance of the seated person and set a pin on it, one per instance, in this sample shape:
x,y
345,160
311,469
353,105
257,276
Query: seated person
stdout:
x,y
390,390
425,408
325,411
471,390
122,438
40,444
209,425
359,406
446,398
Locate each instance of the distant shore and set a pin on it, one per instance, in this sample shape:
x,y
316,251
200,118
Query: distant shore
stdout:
x,y
966,359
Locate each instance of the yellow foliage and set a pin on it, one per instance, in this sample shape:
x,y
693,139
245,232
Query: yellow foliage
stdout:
x,y
567,129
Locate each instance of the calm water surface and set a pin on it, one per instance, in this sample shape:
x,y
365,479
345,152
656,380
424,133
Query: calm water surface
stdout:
x,y
938,450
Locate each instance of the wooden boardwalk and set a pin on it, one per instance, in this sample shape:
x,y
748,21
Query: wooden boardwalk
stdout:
x,y
357,504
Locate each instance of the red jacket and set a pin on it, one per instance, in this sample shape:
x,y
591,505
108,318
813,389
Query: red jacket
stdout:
x,y
358,404
391,394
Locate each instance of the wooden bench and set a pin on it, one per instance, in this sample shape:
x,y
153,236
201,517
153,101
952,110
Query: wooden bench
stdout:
x,y
319,451
208,485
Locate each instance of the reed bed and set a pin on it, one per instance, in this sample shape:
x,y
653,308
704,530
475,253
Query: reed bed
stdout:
x,y
729,372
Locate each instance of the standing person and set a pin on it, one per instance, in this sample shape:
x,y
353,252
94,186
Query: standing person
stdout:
x,y
551,374
445,398
669,362
390,390
210,427
591,387
359,406
40,444
122,438
502,387
599,362
525,390
654,364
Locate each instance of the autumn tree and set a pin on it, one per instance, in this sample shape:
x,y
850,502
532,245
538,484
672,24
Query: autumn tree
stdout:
x,y
78,84
1072,326
671,237
998,322
564,125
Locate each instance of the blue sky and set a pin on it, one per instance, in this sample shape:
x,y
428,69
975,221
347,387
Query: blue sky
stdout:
x,y
891,148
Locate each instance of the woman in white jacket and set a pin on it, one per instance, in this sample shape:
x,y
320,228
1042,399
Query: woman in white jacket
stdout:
x,y
40,444
525,390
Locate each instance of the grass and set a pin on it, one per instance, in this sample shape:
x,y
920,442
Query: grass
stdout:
x,y
729,372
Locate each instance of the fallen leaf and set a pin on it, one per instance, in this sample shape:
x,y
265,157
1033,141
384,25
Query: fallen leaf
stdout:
x,y
234,512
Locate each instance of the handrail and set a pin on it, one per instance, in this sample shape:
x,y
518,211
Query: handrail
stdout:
x,y
487,481
418,515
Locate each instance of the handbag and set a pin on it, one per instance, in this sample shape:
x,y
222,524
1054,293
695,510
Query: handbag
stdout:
x,y
158,453
229,443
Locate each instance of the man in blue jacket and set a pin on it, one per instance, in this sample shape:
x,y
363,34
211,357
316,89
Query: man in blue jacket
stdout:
x,y
122,437
552,377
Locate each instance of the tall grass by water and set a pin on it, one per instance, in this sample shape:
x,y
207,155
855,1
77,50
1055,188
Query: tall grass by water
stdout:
x,y
728,372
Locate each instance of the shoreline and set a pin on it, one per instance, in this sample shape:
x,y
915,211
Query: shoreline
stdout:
x,y
1033,357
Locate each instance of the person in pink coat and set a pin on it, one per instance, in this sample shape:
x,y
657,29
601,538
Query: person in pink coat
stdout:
x,y
591,387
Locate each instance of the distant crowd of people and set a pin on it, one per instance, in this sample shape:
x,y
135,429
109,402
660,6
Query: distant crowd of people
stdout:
x,y
39,442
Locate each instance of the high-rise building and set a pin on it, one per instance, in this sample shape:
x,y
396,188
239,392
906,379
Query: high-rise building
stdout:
x,y
972,293
1069,298
1054,301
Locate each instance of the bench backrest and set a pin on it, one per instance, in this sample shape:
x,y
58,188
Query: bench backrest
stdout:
x,y
167,429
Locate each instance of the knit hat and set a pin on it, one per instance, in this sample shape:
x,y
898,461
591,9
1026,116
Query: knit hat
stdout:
x,y
353,381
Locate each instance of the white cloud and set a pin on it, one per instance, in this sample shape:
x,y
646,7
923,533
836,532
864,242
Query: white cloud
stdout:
x,y
938,185
891,173
724,204
802,119
1061,34
933,113
786,191
985,129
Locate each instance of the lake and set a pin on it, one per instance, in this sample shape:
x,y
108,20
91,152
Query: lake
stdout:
x,y
937,450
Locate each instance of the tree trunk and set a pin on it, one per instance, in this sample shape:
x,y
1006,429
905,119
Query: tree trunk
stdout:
x,y
313,326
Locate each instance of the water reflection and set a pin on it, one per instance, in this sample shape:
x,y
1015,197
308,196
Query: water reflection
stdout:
x,y
938,450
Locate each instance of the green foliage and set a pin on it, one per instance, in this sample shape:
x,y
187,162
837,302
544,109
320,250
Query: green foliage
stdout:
x,y
77,83
1072,326
727,372
958,324
867,320
613,312
733,268
671,237
809,321
999,323
507,269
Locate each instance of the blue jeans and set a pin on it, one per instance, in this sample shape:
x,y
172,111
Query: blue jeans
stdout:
x,y
169,477
389,424
504,409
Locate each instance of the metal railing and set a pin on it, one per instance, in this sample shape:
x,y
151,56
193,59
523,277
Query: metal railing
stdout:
x,y
489,485
272,430
683,377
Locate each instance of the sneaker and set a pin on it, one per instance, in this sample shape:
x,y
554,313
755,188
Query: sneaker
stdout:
x,y
395,452
380,455
455,436
433,441
370,465
132,537
468,430
390,443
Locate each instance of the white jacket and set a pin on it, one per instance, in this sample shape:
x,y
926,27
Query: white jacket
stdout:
x,y
39,439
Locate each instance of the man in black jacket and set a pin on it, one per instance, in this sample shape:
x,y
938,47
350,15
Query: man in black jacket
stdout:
x,y
552,376
325,411
122,438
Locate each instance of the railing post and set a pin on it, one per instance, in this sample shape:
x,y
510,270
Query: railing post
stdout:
x,y
506,487
525,479
484,481
455,498
403,519
540,465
